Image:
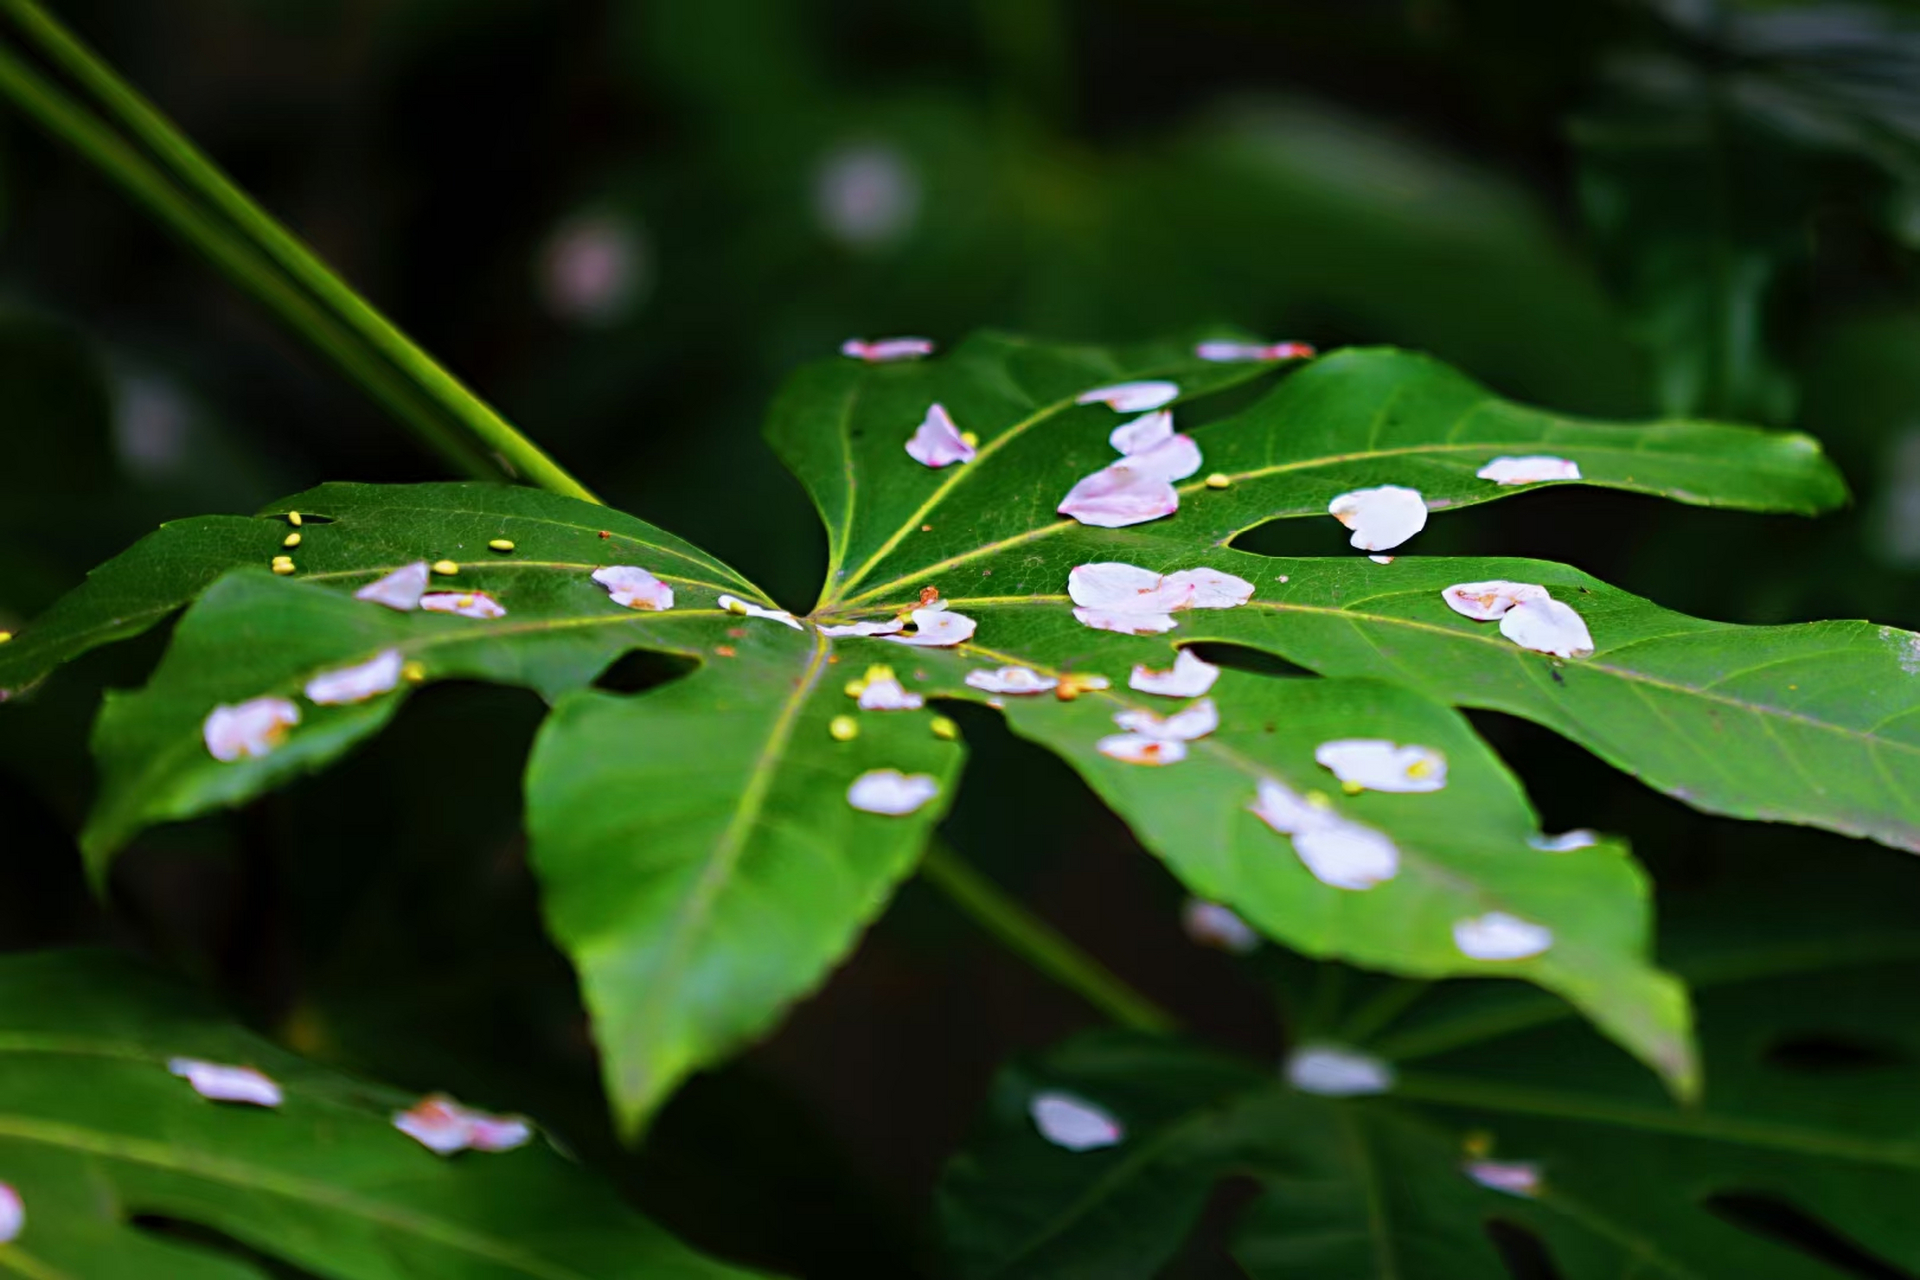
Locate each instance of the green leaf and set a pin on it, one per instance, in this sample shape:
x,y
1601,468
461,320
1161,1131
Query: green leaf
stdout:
x,y
95,1132
1807,1024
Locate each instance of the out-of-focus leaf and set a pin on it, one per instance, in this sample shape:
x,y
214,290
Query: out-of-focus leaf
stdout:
x,y
95,1133
1807,1126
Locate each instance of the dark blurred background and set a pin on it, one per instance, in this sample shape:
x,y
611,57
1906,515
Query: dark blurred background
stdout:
x,y
623,221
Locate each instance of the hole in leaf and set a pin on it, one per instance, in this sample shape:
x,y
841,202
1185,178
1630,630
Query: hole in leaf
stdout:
x,y
1239,657
204,1238
1832,1054
643,669
1524,1254
1772,1218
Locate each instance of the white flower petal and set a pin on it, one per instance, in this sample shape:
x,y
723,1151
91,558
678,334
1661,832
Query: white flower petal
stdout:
x,y
1144,433
1381,518
467,604
223,1083
1208,588
1566,841
937,442
1485,601
1131,397
13,1214
1535,469
1499,936
400,589
885,693
1211,925
886,628
444,1127
1127,624
634,587
1547,626
1347,855
377,675
1379,765
1332,1071
1121,588
1381,559
1281,808
1190,677
882,350
1510,1177
1073,1123
1011,680
734,604
938,628
1138,748
1115,497
1232,352
252,728
890,792
1185,725
1174,458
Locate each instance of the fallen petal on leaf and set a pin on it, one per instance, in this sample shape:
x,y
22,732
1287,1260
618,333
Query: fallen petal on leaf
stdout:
x,y
1381,518
1338,852
1547,626
1232,352
1196,721
882,692
1142,434
1190,676
937,441
634,587
1209,588
1510,1177
890,792
886,628
467,604
882,350
1566,841
400,589
1485,601
444,1127
1073,1123
1131,397
223,1083
1138,748
1335,1072
734,604
938,628
1535,469
1116,496
1127,624
1378,765
252,728
1499,936
1211,925
1011,680
377,675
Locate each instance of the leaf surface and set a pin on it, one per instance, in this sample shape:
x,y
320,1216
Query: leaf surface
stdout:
x,y
95,1132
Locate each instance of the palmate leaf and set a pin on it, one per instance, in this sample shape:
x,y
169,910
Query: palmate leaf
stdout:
x,y
96,1133
1807,1021
698,856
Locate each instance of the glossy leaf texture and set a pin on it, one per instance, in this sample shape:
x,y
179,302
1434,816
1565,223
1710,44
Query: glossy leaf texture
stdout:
x,y
99,1140
1799,1163
698,855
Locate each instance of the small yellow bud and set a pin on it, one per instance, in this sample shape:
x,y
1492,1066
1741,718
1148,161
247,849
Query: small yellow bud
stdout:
x,y
5,636
282,565
501,544
1318,799
879,671
1351,787
1219,480
855,688
1420,768
736,606
413,672
945,729
971,440
843,728
291,540
1478,1144
293,518
445,568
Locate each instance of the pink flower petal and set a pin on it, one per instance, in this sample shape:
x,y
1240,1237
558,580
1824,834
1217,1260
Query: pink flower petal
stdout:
x,y
1509,1177
1115,497
466,604
885,349
1074,1123
1485,601
1231,352
1185,725
252,728
377,675
1382,517
13,1214
444,1127
1131,397
634,587
1126,588
1174,458
1138,748
400,589
891,793
1211,925
1011,680
223,1083
1536,469
1127,624
1208,588
1190,677
1143,434
937,442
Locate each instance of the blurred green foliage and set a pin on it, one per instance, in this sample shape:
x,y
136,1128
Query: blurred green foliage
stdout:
x,y
624,221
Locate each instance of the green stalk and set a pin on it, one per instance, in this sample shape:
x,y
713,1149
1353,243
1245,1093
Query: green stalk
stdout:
x,y
201,176
1036,942
72,123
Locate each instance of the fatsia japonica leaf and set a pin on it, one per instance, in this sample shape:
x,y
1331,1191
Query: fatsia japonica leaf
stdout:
x,y
98,1135
1496,1114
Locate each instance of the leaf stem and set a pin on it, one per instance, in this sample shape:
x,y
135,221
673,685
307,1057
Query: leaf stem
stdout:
x,y
494,435
1036,942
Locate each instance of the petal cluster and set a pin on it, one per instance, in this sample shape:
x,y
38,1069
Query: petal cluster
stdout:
x,y
1375,764
1528,616
634,587
1134,601
1153,739
1189,677
444,1127
1336,850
